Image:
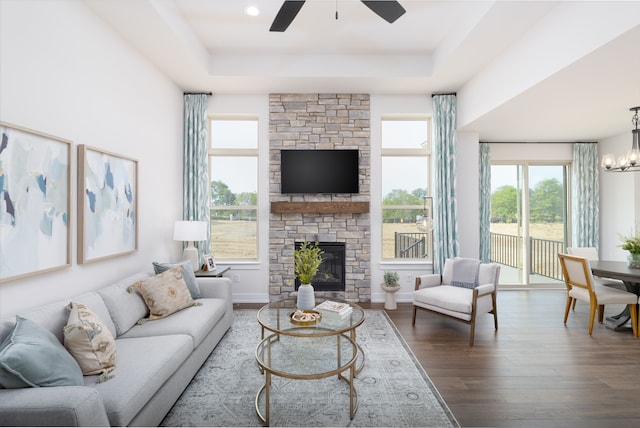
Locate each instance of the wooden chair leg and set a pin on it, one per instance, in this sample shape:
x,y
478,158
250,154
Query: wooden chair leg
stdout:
x,y
592,315
633,311
495,311
472,325
413,323
568,308
473,332
573,306
600,313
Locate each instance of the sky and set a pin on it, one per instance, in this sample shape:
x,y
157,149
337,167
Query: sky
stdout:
x,y
236,134
502,175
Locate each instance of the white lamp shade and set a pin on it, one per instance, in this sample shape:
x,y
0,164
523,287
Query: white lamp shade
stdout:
x,y
190,231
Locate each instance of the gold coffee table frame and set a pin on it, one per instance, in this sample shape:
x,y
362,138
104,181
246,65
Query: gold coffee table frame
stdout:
x,y
275,318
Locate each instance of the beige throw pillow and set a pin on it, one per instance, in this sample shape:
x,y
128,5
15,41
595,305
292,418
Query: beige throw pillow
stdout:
x,y
90,342
165,293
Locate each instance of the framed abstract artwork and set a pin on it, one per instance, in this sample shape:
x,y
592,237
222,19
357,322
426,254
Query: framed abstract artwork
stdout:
x,y
107,204
35,205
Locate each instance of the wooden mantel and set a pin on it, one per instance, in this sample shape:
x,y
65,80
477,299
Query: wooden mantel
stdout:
x,y
319,207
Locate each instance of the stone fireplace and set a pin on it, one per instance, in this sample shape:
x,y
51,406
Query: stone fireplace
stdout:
x,y
320,121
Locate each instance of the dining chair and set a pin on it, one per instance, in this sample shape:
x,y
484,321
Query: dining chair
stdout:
x,y
591,254
581,286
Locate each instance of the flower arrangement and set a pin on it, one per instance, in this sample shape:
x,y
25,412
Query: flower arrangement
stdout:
x,y
307,259
391,278
631,243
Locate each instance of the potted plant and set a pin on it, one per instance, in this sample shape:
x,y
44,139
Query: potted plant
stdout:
x,y
390,286
631,243
391,279
307,259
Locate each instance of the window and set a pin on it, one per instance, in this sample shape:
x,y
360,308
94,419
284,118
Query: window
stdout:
x,y
233,172
406,172
529,227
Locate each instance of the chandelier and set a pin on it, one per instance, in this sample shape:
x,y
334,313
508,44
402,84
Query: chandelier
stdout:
x,y
629,161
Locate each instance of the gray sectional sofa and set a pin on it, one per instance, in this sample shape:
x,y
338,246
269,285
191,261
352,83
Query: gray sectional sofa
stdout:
x,y
155,360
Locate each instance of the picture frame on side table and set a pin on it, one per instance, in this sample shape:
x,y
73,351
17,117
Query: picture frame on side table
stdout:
x,y
107,204
209,262
35,202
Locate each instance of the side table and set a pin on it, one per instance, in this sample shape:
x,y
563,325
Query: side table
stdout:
x,y
216,273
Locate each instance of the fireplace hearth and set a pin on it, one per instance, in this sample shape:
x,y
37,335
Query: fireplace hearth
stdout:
x,y
331,273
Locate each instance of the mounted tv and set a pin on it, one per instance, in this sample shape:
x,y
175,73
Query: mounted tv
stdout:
x,y
319,171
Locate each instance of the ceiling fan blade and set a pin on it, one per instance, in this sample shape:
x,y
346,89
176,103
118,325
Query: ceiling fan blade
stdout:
x,y
286,15
387,10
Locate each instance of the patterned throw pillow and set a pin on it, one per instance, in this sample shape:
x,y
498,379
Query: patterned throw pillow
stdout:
x,y
165,293
187,274
90,342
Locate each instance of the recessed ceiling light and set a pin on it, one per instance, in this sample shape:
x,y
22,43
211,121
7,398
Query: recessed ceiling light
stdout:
x,y
252,11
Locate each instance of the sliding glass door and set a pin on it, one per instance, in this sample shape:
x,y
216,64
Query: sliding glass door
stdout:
x,y
529,221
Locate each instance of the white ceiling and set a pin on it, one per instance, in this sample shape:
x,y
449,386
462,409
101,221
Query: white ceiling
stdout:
x,y
523,70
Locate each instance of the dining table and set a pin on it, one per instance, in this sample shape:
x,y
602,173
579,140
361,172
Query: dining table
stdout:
x,y
631,280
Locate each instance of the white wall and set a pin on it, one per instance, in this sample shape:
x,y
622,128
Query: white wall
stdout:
x,y
65,73
468,193
619,201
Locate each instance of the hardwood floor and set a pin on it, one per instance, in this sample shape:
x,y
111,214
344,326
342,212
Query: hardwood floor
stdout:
x,y
534,371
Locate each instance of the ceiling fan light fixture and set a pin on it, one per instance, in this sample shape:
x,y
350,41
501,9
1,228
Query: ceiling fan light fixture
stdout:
x,y
389,10
630,161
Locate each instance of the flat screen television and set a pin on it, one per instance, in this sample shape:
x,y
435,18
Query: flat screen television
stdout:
x,y
319,171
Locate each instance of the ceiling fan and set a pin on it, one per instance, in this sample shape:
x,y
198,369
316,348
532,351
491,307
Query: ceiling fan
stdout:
x,y
387,10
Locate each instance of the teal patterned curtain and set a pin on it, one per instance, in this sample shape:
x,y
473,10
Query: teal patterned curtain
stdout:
x,y
585,195
196,170
485,202
445,229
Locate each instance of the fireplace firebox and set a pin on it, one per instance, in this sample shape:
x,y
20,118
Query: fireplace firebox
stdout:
x,y
331,273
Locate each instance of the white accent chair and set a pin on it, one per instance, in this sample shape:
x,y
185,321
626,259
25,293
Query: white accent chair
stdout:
x,y
581,286
434,293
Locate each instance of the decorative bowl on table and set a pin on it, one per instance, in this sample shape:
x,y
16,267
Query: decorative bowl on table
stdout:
x,y
305,317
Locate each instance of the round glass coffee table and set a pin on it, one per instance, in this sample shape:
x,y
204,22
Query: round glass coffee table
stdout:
x,y
305,351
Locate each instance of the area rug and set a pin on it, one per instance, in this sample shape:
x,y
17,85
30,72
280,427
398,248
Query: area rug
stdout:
x,y
393,388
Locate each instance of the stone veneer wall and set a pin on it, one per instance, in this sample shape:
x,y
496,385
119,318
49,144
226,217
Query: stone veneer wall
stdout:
x,y
320,121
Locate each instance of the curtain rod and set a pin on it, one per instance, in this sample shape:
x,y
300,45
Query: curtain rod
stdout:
x,y
198,93
537,142
445,93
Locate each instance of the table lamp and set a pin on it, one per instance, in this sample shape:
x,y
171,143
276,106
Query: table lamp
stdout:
x,y
190,231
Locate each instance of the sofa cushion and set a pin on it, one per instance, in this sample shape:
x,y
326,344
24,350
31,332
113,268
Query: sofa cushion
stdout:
x,y
125,308
165,293
187,274
457,299
196,321
89,341
32,356
144,365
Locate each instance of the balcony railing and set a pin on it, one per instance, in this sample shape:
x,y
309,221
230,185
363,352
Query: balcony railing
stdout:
x,y
505,249
543,254
412,245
